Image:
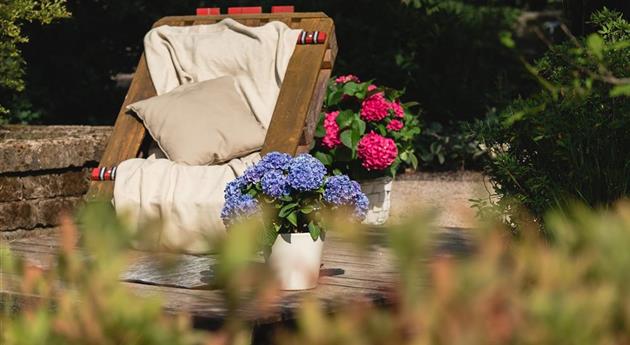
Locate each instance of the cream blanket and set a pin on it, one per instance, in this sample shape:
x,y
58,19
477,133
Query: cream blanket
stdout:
x,y
179,204
188,199
257,57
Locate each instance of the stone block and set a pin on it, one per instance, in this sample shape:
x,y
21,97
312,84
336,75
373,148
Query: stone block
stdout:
x,y
33,148
29,214
10,188
69,183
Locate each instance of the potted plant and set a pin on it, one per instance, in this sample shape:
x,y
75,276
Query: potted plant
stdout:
x,y
289,195
366,133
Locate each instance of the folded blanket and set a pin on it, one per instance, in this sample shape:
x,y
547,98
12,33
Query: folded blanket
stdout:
x,y
186,199
256,56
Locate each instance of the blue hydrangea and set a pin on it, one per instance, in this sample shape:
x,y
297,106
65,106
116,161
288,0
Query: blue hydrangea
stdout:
x,y
252,174
240,206
234,188
306,173
274,183
275,161
271,161
340,190
361,205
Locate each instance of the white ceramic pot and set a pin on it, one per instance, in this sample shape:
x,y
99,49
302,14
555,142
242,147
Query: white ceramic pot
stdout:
x,y
296,259
378,192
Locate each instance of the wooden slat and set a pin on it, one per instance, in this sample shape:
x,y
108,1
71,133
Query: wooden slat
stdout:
x,y
125,141
298,88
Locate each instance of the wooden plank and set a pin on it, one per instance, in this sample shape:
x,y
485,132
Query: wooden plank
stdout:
x,y
297,91
314,110
125,141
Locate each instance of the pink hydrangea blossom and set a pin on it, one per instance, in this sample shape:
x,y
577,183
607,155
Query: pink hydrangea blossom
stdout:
x,y
397,108
331,139
395,125
375,107
376,151
372,87
346,78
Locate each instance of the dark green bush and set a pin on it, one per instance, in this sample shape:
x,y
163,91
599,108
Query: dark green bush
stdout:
x,y
572,139
14,14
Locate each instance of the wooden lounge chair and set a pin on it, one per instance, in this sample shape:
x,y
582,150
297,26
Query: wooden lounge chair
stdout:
x,y
295,115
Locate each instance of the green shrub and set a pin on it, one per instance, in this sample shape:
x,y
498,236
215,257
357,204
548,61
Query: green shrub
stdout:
x,y
13,15
571,140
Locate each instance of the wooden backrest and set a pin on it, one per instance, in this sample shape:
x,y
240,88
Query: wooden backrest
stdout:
x,y
295,115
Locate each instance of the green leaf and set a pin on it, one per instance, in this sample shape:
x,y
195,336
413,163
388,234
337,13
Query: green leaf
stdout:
x,y
595,45
307,209
404,156
320,131
506,39
314,230
350,88
333,98
346,139
292,218
325,158
414,161
359,126
344,119
286,209
620,90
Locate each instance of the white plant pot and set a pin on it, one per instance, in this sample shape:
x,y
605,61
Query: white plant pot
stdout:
x,y
378,192
296,259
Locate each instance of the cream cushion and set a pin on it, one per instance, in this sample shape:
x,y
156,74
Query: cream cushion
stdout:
x,y
202,123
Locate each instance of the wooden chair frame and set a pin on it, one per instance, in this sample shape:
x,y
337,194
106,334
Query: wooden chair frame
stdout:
x,y
296,113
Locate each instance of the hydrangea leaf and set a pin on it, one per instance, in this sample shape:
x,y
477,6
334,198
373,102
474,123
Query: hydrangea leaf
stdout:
x,y
344,119
314,230
284,211
326,159
346,139
292,218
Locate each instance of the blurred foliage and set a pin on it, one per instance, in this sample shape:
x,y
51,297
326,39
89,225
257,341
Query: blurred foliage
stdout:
x,y
449,59
571,139
575,290
13,15
80,300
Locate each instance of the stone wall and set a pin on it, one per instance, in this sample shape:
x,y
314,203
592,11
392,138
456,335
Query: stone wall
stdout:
x,y
44,171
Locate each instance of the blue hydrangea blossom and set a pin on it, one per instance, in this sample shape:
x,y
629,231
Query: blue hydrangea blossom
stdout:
x,y
300,181
306,173
274,183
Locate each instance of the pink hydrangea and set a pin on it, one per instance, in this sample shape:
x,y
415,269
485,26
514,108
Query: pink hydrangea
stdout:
x,y
376,151
372,87
395,125
397,108
375,107
331,139
346,78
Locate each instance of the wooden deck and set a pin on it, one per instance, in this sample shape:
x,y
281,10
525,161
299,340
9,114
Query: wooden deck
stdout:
x,y
347,276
